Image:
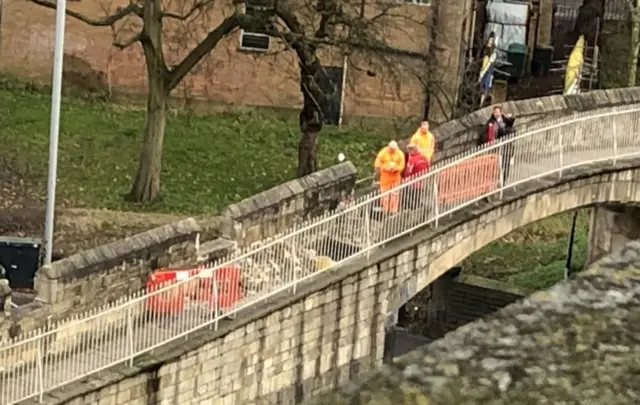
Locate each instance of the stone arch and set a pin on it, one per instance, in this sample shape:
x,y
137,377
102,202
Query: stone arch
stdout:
x,y
433,252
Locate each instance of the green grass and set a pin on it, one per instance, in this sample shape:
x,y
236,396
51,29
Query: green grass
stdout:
x,y
534,256
209,161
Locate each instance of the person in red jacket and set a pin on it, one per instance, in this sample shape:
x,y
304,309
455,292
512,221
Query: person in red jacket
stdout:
x,y
417,165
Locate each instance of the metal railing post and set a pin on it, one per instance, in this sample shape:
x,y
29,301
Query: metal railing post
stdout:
x,y
40,370
436,203
294,288
130,340
615,142
216,301
294,259
501,170
367,230
561,155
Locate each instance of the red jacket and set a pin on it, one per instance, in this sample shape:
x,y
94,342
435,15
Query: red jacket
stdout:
x,y
417,164
491,132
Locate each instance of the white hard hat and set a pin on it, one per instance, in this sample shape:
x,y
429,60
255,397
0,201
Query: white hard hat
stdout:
x,y
341,157
393,145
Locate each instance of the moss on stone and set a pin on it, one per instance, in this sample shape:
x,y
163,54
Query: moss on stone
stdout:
x,y
578,342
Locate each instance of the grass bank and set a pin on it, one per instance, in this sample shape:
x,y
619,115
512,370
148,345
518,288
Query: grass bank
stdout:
x,y
534,256
209,160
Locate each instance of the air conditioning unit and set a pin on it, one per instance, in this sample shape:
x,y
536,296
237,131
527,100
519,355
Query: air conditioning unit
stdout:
x,y
253,41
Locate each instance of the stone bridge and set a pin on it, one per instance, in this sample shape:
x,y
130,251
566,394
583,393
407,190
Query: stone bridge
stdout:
x,y
328,325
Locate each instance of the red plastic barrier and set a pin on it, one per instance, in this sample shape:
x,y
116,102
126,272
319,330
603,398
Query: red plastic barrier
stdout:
x,y
170,301
228,281
468,179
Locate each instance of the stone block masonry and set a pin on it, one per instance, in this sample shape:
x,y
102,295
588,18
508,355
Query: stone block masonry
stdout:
x,y
276,210
463,134
611,227
278,353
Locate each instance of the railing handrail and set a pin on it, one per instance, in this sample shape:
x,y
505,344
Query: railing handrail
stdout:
x,y
331,217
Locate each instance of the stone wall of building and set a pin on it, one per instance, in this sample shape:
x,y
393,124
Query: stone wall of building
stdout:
x,y
331,328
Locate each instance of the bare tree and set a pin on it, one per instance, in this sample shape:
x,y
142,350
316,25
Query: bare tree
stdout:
x,y
333,27
634,6
145,22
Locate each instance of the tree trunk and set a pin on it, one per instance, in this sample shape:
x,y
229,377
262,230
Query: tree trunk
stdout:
x,y
635,44
146,183
307,159
311,117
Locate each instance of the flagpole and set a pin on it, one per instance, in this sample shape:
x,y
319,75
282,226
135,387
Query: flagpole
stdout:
x,y
56,90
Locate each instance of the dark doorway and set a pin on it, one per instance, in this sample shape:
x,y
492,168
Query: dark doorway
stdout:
x,y
21,258
331,84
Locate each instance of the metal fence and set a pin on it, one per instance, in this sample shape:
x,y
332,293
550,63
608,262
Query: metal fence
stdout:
x,y
73,349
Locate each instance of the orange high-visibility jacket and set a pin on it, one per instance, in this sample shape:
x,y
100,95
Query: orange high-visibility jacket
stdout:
x,y
426,143
390,163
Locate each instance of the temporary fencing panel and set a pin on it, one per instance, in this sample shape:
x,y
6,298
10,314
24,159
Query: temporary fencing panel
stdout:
x,y
469,179
227,289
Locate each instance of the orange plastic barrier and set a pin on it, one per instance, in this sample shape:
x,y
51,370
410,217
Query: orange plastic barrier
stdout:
x,y
201,291
229,281
468,179
170,301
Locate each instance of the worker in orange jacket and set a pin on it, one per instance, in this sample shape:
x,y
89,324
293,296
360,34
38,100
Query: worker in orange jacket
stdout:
x,y
389,165
424,140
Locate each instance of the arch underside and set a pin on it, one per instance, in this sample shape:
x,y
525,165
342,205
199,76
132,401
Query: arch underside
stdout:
x,y
429,252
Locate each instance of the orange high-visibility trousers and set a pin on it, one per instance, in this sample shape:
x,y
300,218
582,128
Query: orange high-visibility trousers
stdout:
x,y
390,202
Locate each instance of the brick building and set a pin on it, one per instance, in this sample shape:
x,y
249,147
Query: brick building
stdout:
x,y
245,68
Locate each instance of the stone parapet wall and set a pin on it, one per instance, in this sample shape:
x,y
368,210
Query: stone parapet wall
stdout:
x,y
97,277
276,210
463,134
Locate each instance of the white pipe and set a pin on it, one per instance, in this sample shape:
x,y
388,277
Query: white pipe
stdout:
x,y
344,83
56,91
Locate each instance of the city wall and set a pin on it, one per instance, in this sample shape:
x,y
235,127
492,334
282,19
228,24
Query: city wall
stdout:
x,y
332,328
103,275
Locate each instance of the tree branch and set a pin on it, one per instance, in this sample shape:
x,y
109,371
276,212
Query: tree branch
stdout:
x,y
128,42
195,8
132,8
203,48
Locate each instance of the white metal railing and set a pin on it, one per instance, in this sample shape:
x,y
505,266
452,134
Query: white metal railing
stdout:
x,y
72,349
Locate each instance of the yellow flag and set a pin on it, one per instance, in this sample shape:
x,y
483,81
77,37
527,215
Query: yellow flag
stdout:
x,y
573,74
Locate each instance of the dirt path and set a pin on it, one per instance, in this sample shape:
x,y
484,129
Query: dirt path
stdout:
x,y
22,215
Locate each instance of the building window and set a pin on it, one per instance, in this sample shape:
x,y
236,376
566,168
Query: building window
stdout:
x,y
254,41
